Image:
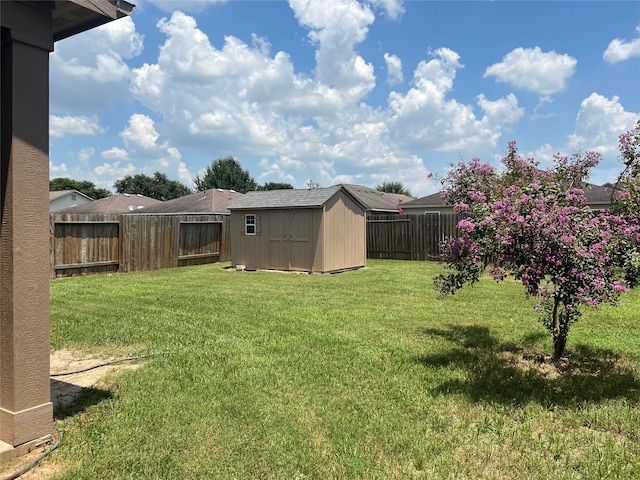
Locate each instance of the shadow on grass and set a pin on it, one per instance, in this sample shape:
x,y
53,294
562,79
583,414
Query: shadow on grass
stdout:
x,y
70,399
508,373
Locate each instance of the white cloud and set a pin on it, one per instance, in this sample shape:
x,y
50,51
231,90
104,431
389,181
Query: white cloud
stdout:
x,y
243,100
59,126
393,8
394,69
88,71
193,6
211,97
56,171
85,155
504,110
108,171
273,172
545,155
147,151
115,153
141,133
336,28
424,117
599,123
119,37
207,95
544,73
619,50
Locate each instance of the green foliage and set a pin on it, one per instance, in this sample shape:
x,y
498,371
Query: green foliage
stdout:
x,y
226,173
359,375
275,186
394,187
159,186
83,186
311,184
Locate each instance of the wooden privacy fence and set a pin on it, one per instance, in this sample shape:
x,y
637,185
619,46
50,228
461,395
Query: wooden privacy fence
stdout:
x,y
409,237
86,244
82,244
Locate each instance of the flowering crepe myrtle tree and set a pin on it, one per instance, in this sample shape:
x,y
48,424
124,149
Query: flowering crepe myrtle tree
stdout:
x,y
626,200
535,226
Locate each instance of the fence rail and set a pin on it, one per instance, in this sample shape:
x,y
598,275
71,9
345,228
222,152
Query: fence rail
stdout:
x,y
85,244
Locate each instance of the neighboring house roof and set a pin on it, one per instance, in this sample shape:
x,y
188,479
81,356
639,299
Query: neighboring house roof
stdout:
x,y
307,198
214,200
60,199
63,193
433,200
376,201
597,197
114,204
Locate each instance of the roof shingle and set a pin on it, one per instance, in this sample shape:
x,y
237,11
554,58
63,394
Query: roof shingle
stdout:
x,y
308,198
114,204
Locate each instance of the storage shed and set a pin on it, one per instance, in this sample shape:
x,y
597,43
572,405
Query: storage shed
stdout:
x,y
319,230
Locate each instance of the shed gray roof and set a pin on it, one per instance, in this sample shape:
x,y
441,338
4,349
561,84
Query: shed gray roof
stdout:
x,y
121,203
214,200
307,198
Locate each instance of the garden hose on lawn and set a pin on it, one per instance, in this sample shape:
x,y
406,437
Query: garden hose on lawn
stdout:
x,y
46,453
106,364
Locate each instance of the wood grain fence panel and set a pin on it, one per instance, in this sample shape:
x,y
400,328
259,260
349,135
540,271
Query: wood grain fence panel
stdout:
x,y
83,244
409,237
389,237
200,241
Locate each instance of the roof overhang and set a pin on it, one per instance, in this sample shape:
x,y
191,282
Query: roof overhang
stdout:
x,y
70,17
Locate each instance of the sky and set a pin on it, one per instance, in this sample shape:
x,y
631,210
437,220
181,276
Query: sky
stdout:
x,y
343,91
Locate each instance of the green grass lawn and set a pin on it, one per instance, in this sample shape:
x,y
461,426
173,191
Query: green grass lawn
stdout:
x,y
360,375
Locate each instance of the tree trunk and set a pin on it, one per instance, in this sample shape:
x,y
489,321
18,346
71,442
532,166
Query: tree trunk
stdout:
x,y
560,330
559,343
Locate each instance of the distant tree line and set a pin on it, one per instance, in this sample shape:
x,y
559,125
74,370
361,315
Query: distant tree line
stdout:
x,y
85,187
224,172
159,186
394,187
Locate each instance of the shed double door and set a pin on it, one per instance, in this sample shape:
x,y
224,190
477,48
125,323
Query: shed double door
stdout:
x,y
289,240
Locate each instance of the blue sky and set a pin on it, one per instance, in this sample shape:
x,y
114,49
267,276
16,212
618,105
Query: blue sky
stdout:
x,y
343,91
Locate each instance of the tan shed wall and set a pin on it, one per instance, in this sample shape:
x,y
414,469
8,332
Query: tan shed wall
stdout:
x,y
248,250
344,234
285,239
302,239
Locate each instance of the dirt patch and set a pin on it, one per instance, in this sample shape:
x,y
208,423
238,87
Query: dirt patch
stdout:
x,y
546,366
65,389
80,375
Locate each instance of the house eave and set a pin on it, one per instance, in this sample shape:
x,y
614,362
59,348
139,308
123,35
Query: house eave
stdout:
x,y
70,17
